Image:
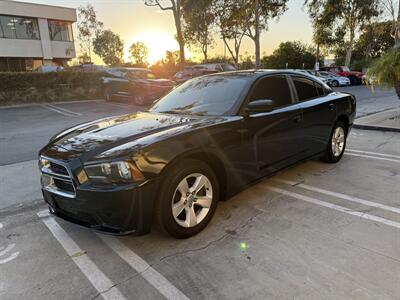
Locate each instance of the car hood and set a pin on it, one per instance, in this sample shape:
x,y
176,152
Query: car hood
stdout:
x,y
93,138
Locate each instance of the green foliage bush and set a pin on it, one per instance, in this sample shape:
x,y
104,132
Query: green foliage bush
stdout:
x,y
18,88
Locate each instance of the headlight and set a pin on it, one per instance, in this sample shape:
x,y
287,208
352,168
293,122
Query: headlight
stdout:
x,y
114,172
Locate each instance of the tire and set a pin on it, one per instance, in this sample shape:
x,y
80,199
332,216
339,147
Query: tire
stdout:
x,y
190,217
107,95
353,80
139,100
335,83
337,143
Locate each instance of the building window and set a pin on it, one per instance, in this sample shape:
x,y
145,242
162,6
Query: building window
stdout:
x,y
12,27
60,31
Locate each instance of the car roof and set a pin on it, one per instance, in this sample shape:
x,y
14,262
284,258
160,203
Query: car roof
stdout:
x,y
254,74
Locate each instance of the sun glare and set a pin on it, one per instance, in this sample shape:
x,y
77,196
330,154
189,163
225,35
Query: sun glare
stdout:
x,y
157,42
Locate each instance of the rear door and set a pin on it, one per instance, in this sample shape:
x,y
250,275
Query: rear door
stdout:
x,y
275,137
319,112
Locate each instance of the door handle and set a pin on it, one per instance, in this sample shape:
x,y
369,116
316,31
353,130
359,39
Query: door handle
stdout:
x,y
297,118
332,106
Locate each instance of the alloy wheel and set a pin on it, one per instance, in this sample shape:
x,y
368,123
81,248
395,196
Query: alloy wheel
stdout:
x,y
192,200
338,140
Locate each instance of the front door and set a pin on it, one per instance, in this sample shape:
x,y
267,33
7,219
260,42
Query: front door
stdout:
x,y
275,136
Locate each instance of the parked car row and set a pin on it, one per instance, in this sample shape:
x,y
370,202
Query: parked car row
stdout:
x,y
330,78
143,87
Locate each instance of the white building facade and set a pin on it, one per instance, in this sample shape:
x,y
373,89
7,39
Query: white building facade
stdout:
x,y
33,35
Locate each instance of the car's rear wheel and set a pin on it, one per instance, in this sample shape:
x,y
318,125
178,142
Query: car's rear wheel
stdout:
x,y
139,100
335,83
337,143
107,95
188,198
353,80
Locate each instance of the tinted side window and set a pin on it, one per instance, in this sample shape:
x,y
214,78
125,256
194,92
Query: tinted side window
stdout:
x,y
275,88
320,89
305,88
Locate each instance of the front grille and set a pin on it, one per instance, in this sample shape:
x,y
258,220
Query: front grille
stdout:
x,y
56,178
63,185
58,169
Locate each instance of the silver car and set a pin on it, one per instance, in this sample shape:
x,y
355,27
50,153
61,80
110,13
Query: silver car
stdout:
x,y
335,80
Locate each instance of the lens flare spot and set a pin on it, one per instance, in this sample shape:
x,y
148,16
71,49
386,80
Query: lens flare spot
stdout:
x,y
244,246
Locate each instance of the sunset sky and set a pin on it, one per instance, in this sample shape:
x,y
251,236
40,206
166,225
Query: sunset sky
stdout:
x,y
134,21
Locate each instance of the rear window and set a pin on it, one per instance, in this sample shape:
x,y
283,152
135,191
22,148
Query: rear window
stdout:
x,y
305,88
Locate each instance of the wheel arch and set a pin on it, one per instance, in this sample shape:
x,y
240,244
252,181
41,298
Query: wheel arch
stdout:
x,y
345,119
209,158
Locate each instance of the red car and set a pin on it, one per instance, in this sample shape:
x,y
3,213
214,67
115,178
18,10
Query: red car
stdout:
x,y
354,76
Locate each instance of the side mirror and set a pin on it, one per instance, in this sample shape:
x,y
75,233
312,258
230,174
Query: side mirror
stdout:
x,y
260,106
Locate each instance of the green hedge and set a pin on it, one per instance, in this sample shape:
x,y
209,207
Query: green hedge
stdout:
x,y
18,88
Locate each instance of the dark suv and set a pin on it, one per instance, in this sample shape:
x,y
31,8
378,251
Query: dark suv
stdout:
x,y
137,84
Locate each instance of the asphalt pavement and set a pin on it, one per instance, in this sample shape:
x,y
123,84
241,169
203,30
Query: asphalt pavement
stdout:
x,y
314,231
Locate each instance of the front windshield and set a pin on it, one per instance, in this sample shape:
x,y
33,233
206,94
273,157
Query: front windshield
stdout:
x,y
345,69
140,74
208,96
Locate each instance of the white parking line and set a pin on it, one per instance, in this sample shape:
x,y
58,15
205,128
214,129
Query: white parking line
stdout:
x,y
61,111
373,157
340,195
4,250
158,281
373,153
97,278
65,110
335,207
10,258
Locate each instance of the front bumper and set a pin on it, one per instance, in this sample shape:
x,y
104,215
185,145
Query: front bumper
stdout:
x,y
113,211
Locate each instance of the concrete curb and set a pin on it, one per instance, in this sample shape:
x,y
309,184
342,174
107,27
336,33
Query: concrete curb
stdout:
x,y
376,128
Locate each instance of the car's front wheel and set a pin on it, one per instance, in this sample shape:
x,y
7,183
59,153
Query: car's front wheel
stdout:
x,y
188,198
335,83
337,143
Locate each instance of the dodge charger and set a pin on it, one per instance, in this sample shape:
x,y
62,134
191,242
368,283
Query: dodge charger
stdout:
x,y
205,141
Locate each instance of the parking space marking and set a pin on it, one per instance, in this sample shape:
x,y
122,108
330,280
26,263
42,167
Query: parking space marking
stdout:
x,y
65,110
340,195
60,110
374,153
166,288
335,207
373,157
97,278
4,250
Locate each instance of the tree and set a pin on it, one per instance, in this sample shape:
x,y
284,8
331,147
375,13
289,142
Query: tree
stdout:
x,y
231,26
109,47
139,53
389,10
199,19
322,35
176,7
88,28
345,17
375,39
386,70
258,13
294,55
